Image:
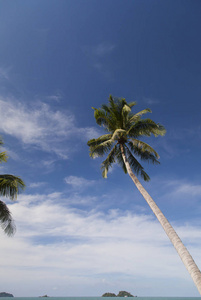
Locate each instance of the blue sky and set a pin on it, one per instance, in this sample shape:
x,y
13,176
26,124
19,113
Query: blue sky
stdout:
x,y
78,234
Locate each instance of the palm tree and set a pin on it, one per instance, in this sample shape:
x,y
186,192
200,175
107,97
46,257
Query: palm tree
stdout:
x,y
121,143
10,186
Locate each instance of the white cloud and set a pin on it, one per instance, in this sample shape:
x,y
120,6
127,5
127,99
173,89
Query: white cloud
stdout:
x,y
57,97
30,124
40,126
54,98
190,189
180,188
48,164
78,182
37,184
55,244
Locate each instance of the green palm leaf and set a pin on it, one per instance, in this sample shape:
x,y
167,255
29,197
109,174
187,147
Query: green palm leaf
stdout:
x,y
3,157
146,128
98,141
6,219
137,116
10,186
135,165
143,155
143,147
101,149
107,163
131,104
118,134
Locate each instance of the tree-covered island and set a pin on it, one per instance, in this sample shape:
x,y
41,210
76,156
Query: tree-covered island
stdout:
x,y
120,294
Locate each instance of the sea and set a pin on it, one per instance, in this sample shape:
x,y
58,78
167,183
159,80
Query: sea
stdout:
x,y
106,298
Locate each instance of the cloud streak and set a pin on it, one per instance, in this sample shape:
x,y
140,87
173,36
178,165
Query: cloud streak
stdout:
x,y
42,127
78,182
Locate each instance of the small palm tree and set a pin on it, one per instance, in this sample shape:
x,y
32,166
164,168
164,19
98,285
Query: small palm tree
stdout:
x,y
10,186
121,143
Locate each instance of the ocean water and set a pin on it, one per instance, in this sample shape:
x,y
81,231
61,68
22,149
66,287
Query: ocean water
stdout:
x,y
101,298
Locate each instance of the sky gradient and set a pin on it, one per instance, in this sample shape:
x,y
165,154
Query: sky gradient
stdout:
x,y
77,233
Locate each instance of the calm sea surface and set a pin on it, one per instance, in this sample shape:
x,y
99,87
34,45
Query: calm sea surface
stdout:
x,y
101,298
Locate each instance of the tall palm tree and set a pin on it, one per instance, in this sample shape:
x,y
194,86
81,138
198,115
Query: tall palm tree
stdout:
x,y
121,143
10,186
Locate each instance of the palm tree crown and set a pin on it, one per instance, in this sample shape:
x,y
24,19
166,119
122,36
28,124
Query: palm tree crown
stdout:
x,y
10,186
123,132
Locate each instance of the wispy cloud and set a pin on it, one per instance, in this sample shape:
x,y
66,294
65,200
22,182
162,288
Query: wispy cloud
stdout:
x,y
55,97
190,189
78,182
178,190
37,184
40,126
184,188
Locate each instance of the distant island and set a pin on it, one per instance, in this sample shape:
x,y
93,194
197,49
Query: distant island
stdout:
x,y
120,294
4,294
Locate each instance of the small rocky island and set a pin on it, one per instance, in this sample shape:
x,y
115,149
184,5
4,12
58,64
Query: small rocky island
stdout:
x,y
120,294
4,294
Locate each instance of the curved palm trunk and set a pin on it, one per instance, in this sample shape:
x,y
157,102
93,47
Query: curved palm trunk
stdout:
x,y
174,238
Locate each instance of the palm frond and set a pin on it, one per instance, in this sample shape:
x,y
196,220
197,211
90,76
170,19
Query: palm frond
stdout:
x,y
135,165
143,155
106,108
105,119
136,117
144,147
107,163
118,134
3,157
116,106
113,104
146,128
101,149
101,117
6,220
99,140
131,104
10,186
126,110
